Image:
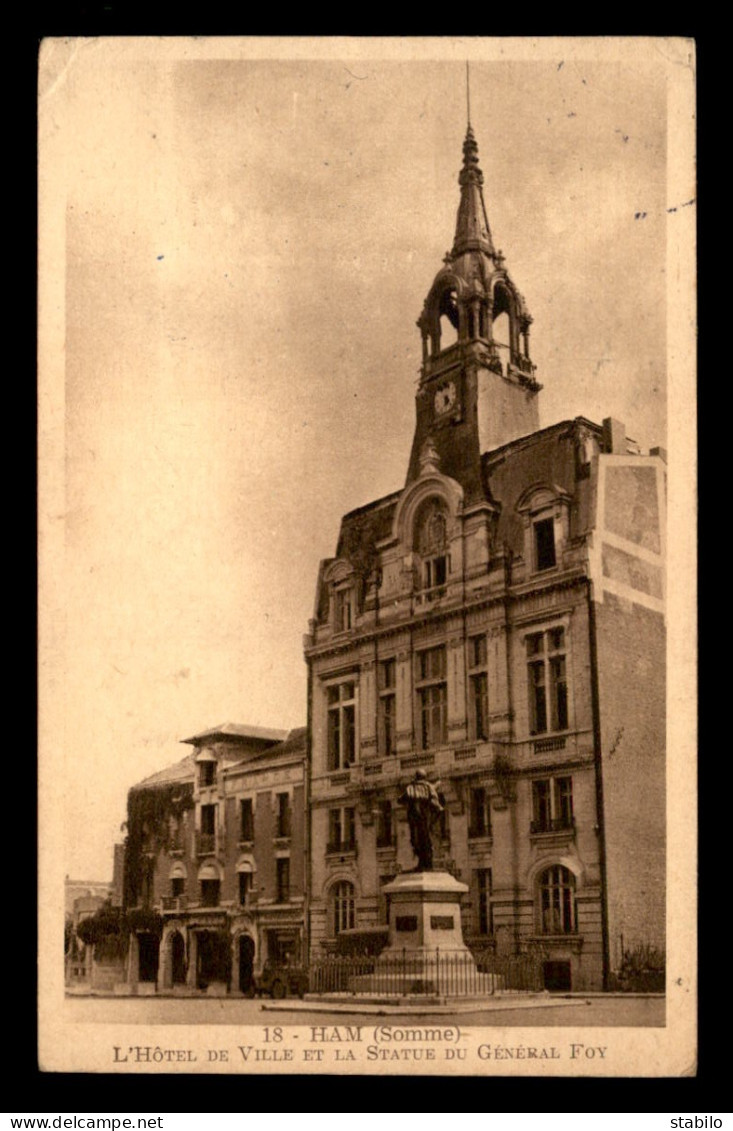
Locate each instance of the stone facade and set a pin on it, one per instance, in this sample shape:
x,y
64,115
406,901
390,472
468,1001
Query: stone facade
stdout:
x,y
216,848
498,623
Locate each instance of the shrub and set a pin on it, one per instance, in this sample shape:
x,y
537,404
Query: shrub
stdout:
x,y
642,970
107,921
107,931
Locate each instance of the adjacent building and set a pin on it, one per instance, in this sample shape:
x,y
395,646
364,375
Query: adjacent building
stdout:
x,y
215,862
499,623
82,899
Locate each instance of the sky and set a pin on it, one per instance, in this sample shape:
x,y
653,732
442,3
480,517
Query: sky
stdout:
x,y
240,252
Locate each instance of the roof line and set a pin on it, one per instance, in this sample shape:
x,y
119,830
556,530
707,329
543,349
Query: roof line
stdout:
x,y
532,435
371,506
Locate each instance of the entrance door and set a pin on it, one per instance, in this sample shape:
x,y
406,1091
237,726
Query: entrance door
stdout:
x,y
246,961
149,947
214,958
557,976
178,959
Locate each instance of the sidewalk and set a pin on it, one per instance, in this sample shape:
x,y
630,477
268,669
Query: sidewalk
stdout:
x,y
341,1003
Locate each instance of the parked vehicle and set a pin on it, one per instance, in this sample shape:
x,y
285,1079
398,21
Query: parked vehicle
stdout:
x,y
282,981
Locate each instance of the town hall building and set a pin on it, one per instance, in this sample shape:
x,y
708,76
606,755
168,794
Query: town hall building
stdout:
x,y
499,623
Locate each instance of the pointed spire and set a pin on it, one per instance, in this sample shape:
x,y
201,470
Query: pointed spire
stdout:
x,y
468,97
472,224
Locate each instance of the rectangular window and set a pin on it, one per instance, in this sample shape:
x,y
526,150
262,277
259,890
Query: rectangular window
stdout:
x,y
480,706
387,707
245,886
558,693
210,893
552,805
283,815
246,819
564,801
432,696
480,813
283,879
478,689
484,908
207,774
341,726
207,833
349,829
544,541
477,651
385,835
548,686
436,572
178,886
341,830
344,610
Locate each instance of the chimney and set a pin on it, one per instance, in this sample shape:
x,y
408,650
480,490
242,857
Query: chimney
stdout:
x,y
614,437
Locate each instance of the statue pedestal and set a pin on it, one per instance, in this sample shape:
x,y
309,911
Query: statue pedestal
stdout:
x,y
425,913
426,953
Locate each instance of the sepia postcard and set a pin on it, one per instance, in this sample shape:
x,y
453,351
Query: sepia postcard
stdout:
x,y
366,438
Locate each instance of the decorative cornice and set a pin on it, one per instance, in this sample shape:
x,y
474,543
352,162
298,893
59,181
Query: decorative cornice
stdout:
x,y
513,595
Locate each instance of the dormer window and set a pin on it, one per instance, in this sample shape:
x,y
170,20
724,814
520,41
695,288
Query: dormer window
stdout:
x,y
546,514
544,544
343,609
431,543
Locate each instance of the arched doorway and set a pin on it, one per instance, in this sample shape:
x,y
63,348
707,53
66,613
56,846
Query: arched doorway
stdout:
x,y
178,959
246,963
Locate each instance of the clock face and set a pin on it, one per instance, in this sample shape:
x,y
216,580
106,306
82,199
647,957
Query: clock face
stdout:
x,y
445,398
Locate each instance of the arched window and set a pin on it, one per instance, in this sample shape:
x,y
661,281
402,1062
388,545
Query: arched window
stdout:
x,y
210,885
178,883
503,330
557,911
448,319
431,543
342,906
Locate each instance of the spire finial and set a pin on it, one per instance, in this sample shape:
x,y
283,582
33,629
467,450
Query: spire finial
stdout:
x,y
468,97
472,225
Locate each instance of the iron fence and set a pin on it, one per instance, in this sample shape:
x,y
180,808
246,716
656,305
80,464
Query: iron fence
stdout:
x,y
443,972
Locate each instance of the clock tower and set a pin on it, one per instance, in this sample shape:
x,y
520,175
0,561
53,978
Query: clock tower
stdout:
x,y
477,383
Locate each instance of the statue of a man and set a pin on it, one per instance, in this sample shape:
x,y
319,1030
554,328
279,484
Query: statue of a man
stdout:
x,y
423,808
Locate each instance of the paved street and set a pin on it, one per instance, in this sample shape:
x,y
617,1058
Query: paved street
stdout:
x,y
572,1011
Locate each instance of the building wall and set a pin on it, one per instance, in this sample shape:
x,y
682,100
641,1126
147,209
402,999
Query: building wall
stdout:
x,y
514,855
631,651
261,917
